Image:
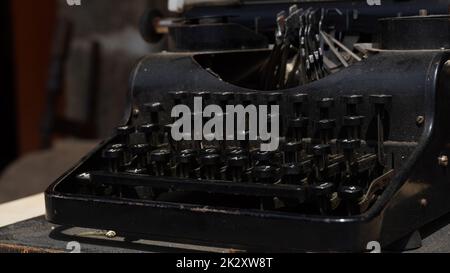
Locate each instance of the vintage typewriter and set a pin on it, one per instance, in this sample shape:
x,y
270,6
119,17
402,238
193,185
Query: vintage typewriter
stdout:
x,y
364,131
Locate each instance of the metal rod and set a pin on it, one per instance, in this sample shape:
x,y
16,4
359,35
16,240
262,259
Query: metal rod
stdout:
x,y
342,46
334,49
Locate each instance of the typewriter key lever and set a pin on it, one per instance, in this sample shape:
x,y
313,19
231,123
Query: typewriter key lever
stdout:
x,y
381,102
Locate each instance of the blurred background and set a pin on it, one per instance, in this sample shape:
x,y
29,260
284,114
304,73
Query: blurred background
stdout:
x,y
64,78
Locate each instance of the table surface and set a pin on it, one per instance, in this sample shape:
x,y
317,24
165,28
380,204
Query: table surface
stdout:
x,y
35,234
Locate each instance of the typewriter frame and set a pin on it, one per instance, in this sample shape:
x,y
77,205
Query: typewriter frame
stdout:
x,y
399,211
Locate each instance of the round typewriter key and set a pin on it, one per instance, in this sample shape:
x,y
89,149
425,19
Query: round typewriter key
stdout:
x,y
223,98
141,152
238,160
237,164
244,140
126,152
352,102
264,156
323,149
118,146
325,106
381,99
292,147
353,120
84,177
326,124
299,122
209,151
178,96
350,144
187,163
205,95
291,151
351,195
234,152
321,153
274,98
140,149
148,128
154,107
161,156
326,103
151,132
297,101
353,99
187,156
291,169
115,157
298,128
126,130
113,153
299,98
124,133
353,125
161,160
274,118
210,166
210,159
248,98
265,174
322,189
322,192
326,128
291,173
188,152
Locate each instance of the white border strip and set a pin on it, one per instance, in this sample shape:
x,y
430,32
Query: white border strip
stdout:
x,y
22,209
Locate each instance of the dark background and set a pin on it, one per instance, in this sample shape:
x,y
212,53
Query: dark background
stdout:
x,y
93,94
7,101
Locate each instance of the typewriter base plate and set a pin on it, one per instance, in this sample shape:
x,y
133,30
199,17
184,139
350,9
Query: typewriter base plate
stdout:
x,y
38,235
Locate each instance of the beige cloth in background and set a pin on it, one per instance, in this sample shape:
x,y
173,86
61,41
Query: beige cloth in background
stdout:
x,y
33,173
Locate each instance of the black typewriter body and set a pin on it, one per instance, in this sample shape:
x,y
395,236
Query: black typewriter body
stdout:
x,y
379,129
